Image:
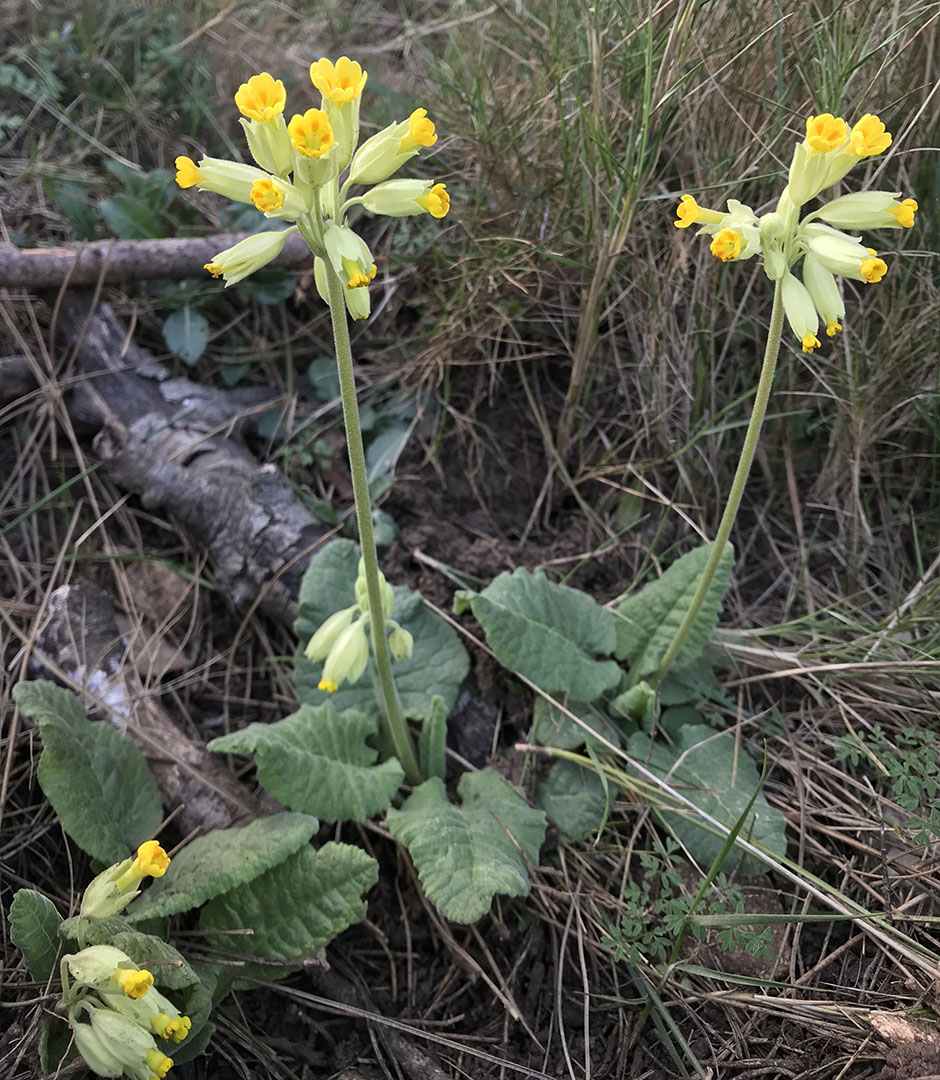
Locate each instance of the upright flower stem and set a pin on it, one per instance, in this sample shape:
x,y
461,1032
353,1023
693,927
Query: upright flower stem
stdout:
x,y
764,385
395,727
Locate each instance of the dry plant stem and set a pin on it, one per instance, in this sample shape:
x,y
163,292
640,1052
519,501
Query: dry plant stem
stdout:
x,y
764,385
396,728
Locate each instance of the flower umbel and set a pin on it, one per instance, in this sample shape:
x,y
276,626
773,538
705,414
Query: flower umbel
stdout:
x,y
782,239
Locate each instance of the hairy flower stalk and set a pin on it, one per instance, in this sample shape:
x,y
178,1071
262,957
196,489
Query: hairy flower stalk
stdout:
x,y
304,169
782,239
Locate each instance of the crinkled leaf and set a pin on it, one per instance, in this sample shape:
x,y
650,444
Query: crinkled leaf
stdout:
x,y
432,744
636,706
186,332
295,909
168,966
34,926
648,620
573,797
702,766
466,854
98,782
220,861
319,763
552,727
437,666
548,633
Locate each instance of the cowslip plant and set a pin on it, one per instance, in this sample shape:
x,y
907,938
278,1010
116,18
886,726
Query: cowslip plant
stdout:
x,y
794,238
305,169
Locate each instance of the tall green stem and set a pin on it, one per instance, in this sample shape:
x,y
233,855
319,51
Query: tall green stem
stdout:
x,y
764,385
395,727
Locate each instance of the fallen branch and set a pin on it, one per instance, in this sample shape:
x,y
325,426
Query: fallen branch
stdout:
x,y
121,261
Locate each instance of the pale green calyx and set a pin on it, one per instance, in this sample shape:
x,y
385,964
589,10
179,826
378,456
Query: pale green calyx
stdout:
x,y
325,637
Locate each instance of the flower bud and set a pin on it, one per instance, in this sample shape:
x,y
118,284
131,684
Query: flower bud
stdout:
x,y
401,643
247,256
348,657
329,630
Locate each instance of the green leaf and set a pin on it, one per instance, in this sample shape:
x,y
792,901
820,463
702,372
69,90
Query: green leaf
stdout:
x,y
220,861
385,449
319,763
437,666
548,633
573,797
295,909
648,620
552,727
637,706
186,332
466,854
129,218
703,766
34,926
97,781
432,743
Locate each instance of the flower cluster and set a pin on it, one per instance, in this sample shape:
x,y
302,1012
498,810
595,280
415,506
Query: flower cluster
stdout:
x,y
341,639
782,238
115,1012
300,163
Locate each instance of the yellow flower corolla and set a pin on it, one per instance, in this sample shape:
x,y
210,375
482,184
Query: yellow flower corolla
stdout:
x,y
868,137
904,214
873,270
338,83
420,131
311,134
726,245
436,201
151,861
328,685
262,98
134,984
187,174
171,1027
833,327
356,277
158,1063
266,196
809,342
825,133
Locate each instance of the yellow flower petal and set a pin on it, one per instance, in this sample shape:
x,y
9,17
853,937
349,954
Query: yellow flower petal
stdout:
x,y
868,137
338,83
726,245
261,98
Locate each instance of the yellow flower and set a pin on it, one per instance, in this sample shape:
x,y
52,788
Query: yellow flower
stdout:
x,y
151,861
261,98
158,1063
904,213
134,984
873,269
328,685
825,133
266,196
726,245
171,1027
340,83
311,134
187,174
420,132
356,277
436,201
868,137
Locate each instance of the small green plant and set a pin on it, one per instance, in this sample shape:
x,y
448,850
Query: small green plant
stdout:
x,y
657,906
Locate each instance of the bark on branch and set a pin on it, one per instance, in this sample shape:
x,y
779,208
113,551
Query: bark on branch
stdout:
x,y
120,261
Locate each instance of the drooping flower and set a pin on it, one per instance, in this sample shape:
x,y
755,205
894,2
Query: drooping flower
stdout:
x,y
248,255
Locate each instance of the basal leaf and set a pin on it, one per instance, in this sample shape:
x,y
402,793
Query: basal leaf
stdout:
x,y
548,633
466,854
186,332
648,620
702,765
295,909
220,861
573,797
34,925
552,727
319,763
437,666
432,744
98,782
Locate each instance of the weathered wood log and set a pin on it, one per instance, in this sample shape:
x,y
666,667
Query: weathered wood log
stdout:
x,y
120,261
